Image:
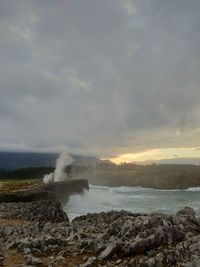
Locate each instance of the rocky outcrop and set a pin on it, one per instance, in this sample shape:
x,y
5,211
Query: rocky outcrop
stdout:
x,y
146,240
31,205
39,203
29,195
66,188
40,211
50,192
116,238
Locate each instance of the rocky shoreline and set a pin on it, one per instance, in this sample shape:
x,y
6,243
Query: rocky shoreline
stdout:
x,y
38,233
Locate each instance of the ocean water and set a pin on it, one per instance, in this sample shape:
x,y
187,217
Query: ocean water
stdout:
x,y
134,199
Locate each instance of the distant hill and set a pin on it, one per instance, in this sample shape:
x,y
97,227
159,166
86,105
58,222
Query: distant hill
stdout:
x,y
17,160
185,161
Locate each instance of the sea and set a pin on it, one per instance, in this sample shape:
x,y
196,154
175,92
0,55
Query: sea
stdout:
x,y
133,199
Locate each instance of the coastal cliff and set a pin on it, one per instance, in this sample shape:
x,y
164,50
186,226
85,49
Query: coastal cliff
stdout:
x,y
154,176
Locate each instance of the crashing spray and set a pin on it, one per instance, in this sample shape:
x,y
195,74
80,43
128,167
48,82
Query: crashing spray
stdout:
x,y
59,174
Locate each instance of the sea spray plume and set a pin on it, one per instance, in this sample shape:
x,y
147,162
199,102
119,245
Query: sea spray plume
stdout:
x,y
48,178
59,174
61,163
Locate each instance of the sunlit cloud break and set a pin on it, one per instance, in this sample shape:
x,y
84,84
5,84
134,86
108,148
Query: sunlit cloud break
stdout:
x,y
158,154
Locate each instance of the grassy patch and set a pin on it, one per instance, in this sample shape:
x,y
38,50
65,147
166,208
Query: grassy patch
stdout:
x,y
17,184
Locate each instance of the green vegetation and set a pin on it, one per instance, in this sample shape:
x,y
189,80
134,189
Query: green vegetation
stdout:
x,y
25,173
11,185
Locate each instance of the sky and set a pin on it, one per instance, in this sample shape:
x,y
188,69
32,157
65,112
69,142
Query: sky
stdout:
x,y
109,78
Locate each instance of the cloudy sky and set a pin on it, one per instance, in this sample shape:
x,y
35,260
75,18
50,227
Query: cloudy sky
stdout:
x,y
106,78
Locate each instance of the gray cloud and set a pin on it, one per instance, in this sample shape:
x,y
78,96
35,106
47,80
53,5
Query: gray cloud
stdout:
x,y
99,77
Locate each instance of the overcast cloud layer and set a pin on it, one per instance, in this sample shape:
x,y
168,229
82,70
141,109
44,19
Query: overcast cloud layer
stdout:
x,y
99,77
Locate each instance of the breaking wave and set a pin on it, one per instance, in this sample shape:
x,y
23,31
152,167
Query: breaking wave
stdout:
x,y
134,199
193,189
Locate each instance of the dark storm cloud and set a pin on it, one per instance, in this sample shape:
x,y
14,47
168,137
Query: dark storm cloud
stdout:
x,y
99,77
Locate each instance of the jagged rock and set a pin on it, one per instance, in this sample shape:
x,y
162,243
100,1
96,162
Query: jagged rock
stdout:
x,y
58,258
195,263
26,251
110,250
140,234
91,262
36,252
31,260
1,259
8,230
151,262
187,211
116,239
33,211
52,192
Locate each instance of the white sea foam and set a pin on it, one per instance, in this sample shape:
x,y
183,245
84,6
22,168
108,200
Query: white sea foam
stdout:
x,y
99,187
134,199
126,189
193,189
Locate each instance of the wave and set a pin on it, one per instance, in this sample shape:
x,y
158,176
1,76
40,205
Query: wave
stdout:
x,y
193,189
129,189
100,187
120,189
170,190
134,199
126,189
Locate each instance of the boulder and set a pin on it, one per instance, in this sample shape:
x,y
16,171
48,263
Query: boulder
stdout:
x,y
187,211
